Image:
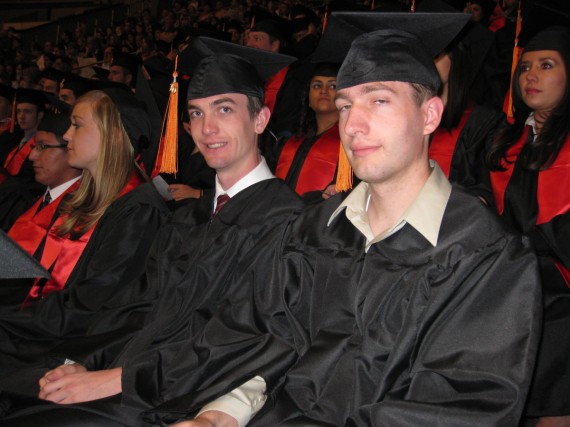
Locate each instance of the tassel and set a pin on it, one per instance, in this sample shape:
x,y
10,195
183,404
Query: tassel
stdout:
x,y
168,152
344,173
325,19
517,52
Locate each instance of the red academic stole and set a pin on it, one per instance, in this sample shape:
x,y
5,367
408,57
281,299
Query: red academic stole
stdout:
x,y
18,156
32,226
272,87
552,192
443,142
320,165
60,254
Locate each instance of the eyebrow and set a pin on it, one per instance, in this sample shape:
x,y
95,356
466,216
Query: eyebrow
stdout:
x,y
370,88
213,103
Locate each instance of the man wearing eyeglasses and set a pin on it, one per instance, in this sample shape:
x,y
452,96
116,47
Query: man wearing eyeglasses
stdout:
x,y
49,160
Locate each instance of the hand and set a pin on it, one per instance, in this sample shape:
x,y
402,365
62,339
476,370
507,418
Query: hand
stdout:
x,y
329,191
182,191
209,419
73,383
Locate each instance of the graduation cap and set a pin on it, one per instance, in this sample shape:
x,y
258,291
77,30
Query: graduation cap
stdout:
x,y
218,67
7,92
57,123
128,61
100,72
388,46
16,263
53,75
541,15
134,116
32,96
476,38
77,84
274,25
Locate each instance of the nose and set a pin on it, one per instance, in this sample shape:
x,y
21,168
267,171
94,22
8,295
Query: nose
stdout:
x,y
68,135
209,126
353,122
531,74
34,155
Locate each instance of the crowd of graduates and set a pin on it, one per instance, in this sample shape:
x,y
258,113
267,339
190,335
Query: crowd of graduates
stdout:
x,y
141,256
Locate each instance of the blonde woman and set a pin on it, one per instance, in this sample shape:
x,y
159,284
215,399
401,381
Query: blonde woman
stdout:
x,y
96,248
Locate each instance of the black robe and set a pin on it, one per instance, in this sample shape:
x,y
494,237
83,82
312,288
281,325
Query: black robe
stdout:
x,y
193,262
406,334
103,302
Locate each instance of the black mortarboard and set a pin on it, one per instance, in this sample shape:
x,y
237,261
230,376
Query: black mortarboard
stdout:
x,y
541,14
15,263
52,74
128,61
32,96
7,92
133,115
57,123
77,84
388,46
552,38
218,67
476,38
326,69
100,72
274,25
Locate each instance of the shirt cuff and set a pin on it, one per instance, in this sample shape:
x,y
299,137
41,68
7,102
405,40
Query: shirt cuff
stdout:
x,y
242,403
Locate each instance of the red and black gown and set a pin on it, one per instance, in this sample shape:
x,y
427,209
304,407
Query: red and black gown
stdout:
x,y
537,204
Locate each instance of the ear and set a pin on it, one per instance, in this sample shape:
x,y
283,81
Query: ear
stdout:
x,y
433,110
261,120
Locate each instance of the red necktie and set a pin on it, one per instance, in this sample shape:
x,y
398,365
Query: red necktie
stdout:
x,y
222,200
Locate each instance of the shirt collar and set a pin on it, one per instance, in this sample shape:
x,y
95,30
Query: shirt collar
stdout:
x,y
531,121
60,189
260,173
432,199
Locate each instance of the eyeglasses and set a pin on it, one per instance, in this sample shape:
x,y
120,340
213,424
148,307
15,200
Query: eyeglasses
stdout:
x,y
42,147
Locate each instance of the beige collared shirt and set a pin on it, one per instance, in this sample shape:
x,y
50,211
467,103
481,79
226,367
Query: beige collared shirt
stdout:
x,y
424,214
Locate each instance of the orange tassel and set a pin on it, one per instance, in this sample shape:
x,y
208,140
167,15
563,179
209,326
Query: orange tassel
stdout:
x,y
517,52
344,172
325,19
169,135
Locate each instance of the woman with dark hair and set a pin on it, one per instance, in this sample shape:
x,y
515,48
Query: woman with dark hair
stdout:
x,y
529,162
308,160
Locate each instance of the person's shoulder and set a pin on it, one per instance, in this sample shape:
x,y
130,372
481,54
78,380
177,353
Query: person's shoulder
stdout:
x,y
144,194
274,192
468,221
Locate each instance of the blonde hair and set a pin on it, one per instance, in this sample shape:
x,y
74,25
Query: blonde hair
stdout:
x,y
115,164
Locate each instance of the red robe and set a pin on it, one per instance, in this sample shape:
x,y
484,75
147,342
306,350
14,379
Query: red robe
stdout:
x,y
272,87
318,167
552,193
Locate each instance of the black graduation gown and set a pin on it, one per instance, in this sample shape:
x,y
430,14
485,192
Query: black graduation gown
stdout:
x,y
193,261
103,302
406,334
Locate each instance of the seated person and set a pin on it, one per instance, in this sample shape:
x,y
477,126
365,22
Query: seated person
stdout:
x,y
308,161
207,242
